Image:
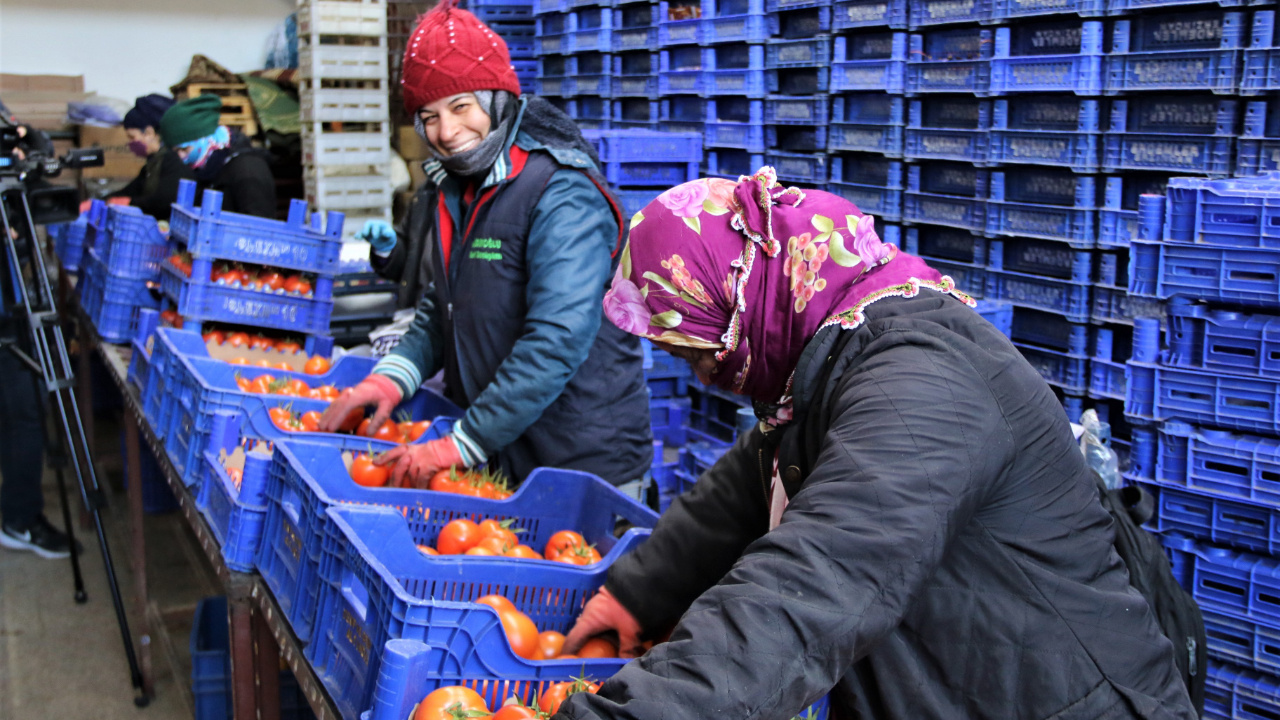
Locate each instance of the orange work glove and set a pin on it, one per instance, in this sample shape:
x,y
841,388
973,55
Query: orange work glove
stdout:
x,y
602,613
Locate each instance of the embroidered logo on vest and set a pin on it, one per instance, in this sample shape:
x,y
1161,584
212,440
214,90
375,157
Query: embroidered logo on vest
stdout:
x,y
486,249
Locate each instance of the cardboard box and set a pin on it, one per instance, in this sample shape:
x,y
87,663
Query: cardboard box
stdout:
x,y
41,100
10,82
119,161
412,147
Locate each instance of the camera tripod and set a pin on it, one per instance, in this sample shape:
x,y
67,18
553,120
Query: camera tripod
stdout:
x,y
24,287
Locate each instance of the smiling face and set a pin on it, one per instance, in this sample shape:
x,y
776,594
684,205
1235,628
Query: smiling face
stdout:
x,y
455,124
703,362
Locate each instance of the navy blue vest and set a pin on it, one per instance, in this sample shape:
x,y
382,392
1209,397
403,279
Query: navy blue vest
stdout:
x,y
600,423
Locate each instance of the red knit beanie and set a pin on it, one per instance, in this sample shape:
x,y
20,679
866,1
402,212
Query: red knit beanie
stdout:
x,y
452,52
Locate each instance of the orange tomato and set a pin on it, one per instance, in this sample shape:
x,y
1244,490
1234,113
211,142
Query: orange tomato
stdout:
x,y
299,387
550,643
239,361
389,431
448,703
479,550
497,602
549,701
310,421
493,544
597,648
524,551
283,366
561,542
522,634
263,363
428,550
458,536
413,430
581,555
328,392
515,712
261,384
317,365
213,336
500,530
366,474
238,339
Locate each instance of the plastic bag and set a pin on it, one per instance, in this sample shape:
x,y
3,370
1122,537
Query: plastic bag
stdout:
x,y
1095,443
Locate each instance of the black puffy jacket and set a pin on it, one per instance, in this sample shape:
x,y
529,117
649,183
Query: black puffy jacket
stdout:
x,y
944,553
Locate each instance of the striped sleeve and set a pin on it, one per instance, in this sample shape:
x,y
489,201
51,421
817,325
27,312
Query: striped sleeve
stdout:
x,y
405,374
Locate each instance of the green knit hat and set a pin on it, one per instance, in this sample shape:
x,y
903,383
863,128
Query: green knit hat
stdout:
x,y
190,119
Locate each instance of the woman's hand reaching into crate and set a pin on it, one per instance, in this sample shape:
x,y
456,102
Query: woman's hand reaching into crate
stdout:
x,y
374,390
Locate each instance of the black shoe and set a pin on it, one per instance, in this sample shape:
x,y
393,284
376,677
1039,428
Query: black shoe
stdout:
x,y
39,537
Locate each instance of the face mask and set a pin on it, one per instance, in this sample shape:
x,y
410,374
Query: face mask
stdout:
x,y
138,147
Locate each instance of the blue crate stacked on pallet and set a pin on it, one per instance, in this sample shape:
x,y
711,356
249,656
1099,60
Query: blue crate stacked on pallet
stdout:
x,y
635,65
576,67
798,79
640,164
513,21
1204,394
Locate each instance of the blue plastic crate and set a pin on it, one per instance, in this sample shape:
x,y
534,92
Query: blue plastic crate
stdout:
x,y
945,12
1188,134
1106,380
112,303
1056,56
1237,584
590,108
633,201
950,61
505,11
1046,258
208,232
1011,9
680,24
866,122
1159,392
808,52
1042,203
668,418
68,242
1118,217
660,363
869,61
868,170
199,298
1198,50
1050,331
969,279
1236,212
744,136
852,14
733,163
638,146
1040,293
1058,132
1232,692
1245,276
947,244
798,167
1224,522
875,200
748,28
948,129
796,138
1254,157
713,416
774,6
1243,643
795,24
210,647
590,30
1061,370
235,512
1122,7
635,27
651,174
1113,269
798,81
384,588
635,75
132,245
999,313
1222,340
948,194
635,110
1219,463
1262,59
1116,305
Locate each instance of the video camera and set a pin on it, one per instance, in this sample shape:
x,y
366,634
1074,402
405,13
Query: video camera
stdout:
x,y
27,158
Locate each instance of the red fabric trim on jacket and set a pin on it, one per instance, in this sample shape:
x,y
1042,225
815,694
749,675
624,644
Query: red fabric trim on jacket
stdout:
x,y
444,221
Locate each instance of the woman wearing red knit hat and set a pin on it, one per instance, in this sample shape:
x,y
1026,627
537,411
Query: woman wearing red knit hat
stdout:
x,y
513,240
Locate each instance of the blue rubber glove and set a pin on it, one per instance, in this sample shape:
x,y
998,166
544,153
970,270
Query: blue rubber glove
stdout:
x,y
379,234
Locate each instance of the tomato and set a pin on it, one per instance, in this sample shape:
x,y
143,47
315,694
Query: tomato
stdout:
x,y
389,431
480,550
561,542
291,283
493,544
213,336
283,366
550,643
261,342
581,555
242,382
428,550
549,701
515,712
236,475
328,392
278,413
447,480
458,536
317,365
299,387
522,634
230,277
310,421
239,361
263,363
170,317
261,384
501,530
304,288
288,347
271,280
238,339
366,474
448,703
525,552
597,647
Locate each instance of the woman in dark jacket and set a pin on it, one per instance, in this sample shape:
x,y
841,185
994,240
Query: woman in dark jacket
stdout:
x,y
521,239
156,187
222,160
911,528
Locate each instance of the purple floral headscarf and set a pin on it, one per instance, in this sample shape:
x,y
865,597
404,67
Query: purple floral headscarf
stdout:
x,y
754,270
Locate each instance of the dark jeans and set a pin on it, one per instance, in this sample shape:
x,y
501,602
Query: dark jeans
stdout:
x,y
21,439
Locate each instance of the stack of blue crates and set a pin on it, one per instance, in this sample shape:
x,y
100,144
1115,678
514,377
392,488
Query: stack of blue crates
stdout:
x,y
512,20
120,257
1203,399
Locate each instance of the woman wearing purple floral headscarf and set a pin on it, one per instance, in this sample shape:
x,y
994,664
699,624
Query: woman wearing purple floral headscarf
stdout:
x,y
911,528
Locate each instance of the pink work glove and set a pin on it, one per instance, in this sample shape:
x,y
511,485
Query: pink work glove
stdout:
x,y
603,613
375,390
415,464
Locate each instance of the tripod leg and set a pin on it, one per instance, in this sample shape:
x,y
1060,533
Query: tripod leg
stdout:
x,y
138,547
78,578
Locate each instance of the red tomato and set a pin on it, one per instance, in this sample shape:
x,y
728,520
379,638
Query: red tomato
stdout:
x,y
304,288
283,366
271,280
299,387
561,542
448,703
413,430
501,531
447,480
522,634
261,384
581,555
317,365
550,643
389,431
291,283
328,392
288,347
549,701
428,550
310,421
458,536
366,474
495,545
238,339
263,363
230,277
480,550
597,648
239,361
261,342
525,552
515,712
213,336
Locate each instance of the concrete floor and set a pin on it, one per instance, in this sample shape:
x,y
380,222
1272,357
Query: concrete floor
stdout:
x,y
63,660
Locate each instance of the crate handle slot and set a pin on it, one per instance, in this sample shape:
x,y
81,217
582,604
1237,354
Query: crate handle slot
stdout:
x,y
354,592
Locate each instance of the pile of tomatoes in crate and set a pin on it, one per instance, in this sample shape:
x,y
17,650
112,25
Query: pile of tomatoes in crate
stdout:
x,y
495,538
239,339
458,701
481,483
528,643
267,384
245,276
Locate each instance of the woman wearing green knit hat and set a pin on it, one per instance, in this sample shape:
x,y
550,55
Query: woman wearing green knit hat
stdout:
x,y
223,160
